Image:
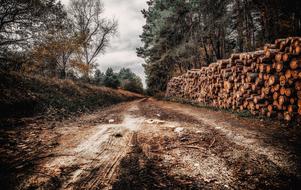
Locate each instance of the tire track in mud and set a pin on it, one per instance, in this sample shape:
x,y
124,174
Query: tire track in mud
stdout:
x,y
90,161
240,136
101,172
159,160
219,160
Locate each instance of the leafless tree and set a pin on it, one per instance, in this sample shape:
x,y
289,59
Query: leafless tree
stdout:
x,y
92,26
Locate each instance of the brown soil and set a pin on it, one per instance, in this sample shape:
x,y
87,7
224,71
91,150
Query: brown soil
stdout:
x,y
150,144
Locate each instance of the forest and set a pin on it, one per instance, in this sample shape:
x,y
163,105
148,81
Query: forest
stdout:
x,y
46,38
181,35
150,94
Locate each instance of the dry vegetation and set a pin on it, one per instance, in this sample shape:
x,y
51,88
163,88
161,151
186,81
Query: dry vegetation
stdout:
x,y
24,96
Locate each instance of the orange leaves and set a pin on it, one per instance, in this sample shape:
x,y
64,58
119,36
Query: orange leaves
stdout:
x,y
58,54
80,66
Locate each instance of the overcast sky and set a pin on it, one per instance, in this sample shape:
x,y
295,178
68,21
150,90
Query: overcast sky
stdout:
x,y
122,51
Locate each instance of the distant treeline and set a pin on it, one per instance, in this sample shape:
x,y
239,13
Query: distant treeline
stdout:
x,y
124,79
186,34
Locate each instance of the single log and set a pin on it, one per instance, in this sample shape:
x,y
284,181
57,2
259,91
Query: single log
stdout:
x,y
286,57
297,50
279,66
282,100
292,100
270,53
273,79
298,85
271,114
295,74
269,68
251,77
287,116
277,87
275,95
278,57
291,108
299,94
282,91
282,80
295,63
288,92
258,99
266,77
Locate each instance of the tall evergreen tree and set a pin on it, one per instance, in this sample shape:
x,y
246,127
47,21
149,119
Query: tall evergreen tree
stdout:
x,y
181,35
111,79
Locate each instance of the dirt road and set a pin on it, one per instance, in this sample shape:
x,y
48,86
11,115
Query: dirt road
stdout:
x,y
150,144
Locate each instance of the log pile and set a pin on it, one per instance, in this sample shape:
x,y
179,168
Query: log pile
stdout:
x,y
266,82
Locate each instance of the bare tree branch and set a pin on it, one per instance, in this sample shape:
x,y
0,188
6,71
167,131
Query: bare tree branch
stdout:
x,y
96,30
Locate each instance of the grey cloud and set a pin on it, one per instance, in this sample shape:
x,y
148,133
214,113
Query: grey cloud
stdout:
x,y
127,59
122,51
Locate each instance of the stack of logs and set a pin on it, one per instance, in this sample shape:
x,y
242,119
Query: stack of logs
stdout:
x,y
266,82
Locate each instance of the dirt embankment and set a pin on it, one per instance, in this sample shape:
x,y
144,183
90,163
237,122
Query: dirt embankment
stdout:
x,y
27,96
149,144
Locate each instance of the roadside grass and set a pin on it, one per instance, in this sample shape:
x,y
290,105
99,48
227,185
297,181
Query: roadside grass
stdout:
x,y
26,96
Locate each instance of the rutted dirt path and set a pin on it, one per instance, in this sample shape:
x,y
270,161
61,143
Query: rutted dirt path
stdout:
x,y
91,157
150,144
